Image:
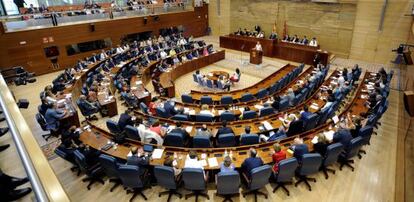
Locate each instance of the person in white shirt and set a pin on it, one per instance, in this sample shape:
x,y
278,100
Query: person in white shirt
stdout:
x,y
192,162
313,42
160,39
103,55
205,110
163,54
341,81
260,35
119,49
259,47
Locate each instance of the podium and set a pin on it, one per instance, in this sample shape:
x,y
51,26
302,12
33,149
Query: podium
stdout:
x,y
256,56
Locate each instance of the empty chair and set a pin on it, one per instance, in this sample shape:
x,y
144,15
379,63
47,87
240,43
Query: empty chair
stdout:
x,y
246,97
87,113
180,117
365,133
227,116
259,177
226,100
161,112
132,133
262,93
249,114
310,121
195,78
166,178
113,127
226,140
332,153
42,122
201,141
350,152
174,139
228,184
310,165
266,111
285,173
68,157
186,98
110,167
194,181
131,180
93,172
206,100
204,118
143,107
249,139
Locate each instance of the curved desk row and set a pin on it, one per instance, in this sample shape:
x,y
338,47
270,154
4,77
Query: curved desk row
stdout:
x,y
98,138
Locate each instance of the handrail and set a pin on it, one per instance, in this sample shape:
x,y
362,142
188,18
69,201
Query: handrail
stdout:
x,y
44,182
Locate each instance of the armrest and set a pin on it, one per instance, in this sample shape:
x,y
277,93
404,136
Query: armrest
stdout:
x,y
246,178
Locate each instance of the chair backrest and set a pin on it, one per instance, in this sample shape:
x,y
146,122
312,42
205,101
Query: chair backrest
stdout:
x,y
80,160
246,97
262,93
219,85
228,116
354,147
41,121
226,140
143,107
109,165
283,104
194,179
310,121
161,112
113,127
265,111
226,100
249,139
210,83
180,117
174,139
228,182
187,98
195,78
310,164
332,153
129,175
286,170
366,133
204,118
165,177
259,177
132,133
206,100
249,115
201,141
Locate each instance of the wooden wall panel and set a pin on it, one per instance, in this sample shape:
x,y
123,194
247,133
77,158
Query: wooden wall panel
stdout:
x,y
31,55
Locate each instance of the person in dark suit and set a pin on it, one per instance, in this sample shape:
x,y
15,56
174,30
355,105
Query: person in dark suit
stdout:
x,y
257,28
125,119
169,108
304,41
322,145
343,135
71,136
224,129
136,159
295,126
251,162
305,113
275,103
178,129
84,104
299,149
91,155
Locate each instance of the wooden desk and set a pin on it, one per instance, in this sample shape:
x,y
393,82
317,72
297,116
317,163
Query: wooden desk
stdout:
x,y
215,75
272,48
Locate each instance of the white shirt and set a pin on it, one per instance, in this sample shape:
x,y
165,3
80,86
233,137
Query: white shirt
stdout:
x,y
341,81
206,112
192,163
163,55
259,47
313,43
119,50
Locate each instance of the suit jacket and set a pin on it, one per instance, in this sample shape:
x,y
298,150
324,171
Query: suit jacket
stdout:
x,y
180,131
295,128
52,117
320,148
251,163
169,109
343,136
224,130
141,162
124,120
299,150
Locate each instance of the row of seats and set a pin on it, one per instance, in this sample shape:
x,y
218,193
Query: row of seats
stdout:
x,y
247,97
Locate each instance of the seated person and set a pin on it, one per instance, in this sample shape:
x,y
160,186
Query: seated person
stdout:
x,y
91,155
71,136
342,135
156,127
247,131
224,129
286,38
171,162
236,76
275,103
299,149
204,131
169,107
125,119
304,41
277,156
205,110
179,129
193,162
250,163
305,113
290,96
295,126
87,106
313,42
227,165
322,144
138,159
273,35
273,136
153,105
226,83
53,117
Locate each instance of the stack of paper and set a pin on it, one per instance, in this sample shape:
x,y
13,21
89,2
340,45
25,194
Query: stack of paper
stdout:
x,y
315,140
212,162
258,106
157,153
203,162
329,135
267,125
189,129
139,82
335,119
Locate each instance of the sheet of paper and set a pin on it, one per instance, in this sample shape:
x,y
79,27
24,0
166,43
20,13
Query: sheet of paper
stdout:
x,y
314,107
335,119
212,162
258,106
157,153
203,162
189,129
191,112
315,140
329,135
267,125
